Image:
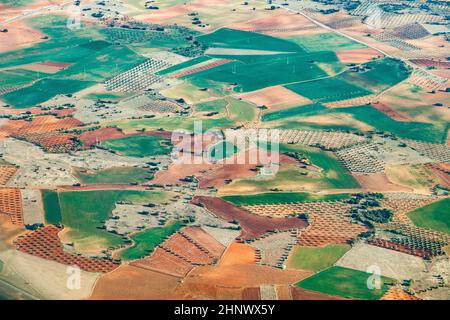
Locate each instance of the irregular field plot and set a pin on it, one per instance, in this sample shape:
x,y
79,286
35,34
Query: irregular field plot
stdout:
x,y
113,176
82,212
316,258
434,216
344,282
146,241
139,146
281,197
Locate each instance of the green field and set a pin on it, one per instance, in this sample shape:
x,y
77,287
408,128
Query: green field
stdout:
x,y
17,77
344,282
335,175
146,241
174,123
92,60
325,41
139,146
125,175
222,150
83,212
237,39
435,216
281,198
218,105
241,110
328,90
42,91
183,65
50,200
307,110
316,258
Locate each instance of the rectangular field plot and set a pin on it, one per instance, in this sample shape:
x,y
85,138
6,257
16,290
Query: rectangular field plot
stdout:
x,y
343,282
328,90
435,216
325,41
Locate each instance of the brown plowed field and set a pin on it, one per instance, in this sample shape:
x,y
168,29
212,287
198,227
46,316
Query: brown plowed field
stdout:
x,y
91,138
164,262
399,116
204,240
329,229
187,250
45,243
252,226
202,68
302,294
374,182
397,294
440,64
357,55
11,204
51,141
251,294
399,247
275,98
6,173
441,171
132,283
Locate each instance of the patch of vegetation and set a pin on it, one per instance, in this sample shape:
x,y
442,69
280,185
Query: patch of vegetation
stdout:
x,y
50,200
85,212
125,175
146,241
435,216
344,282
316,258
281,198
139,146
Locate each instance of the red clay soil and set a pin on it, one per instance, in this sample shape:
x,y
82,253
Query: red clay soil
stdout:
x,y
378,182
440,64
441,171
56,142
132,283
357,55
45,243
400,248
329,229
399,116
11,205
6,173
252,226
178,255
91,138
302,294
251,294
202,68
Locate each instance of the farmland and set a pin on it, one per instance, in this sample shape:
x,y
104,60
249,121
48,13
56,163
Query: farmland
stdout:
x,y
433,216
225,149
139,146
83,212
344,282
146,241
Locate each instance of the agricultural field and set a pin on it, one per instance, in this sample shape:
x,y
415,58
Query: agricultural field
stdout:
x,y
225,149
344,282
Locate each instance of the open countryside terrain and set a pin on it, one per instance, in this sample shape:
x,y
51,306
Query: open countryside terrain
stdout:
x,y
225,149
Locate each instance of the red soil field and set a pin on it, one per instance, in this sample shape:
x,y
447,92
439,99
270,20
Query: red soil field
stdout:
x,y
252,226
358,55
329,229
399,116
397,294
378,182
441,171
440,64
56,142
132,283
182,251
45,243
91,138
11,204
399,247
202,68
302,294
6,173
251,294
